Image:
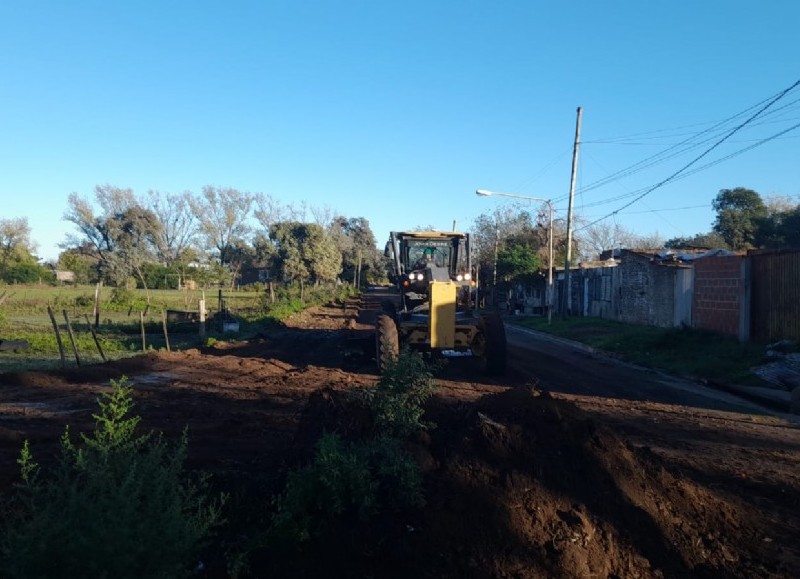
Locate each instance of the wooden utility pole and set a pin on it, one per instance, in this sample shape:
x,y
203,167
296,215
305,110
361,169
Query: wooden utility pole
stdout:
x,y
567,281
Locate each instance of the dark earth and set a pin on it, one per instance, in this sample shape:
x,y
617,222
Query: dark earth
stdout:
x,y
571,465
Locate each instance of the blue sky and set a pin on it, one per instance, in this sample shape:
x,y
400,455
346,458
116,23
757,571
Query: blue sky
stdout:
x,y
395,111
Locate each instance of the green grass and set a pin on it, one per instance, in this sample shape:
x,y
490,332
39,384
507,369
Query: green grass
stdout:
x,y
23,316
680,351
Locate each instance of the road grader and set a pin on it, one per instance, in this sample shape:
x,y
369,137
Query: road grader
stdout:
x,y
435,309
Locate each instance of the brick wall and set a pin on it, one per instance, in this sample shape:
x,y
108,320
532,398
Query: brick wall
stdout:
x,y
717,287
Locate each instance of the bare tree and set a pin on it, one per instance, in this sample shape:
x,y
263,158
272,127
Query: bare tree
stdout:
x,y
178,224
270,211
603,236
222,214
650,242
323,215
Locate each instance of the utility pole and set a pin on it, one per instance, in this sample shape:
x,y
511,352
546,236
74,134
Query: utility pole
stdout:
x,y
567,281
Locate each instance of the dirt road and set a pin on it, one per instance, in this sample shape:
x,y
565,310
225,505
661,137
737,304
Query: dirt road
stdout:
x,y
570,466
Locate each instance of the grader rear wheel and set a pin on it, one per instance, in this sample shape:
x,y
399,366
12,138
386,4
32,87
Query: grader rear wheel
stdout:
x,y
387,342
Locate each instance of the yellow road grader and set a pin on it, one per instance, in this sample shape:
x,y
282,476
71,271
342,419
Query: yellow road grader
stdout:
x,y
436,310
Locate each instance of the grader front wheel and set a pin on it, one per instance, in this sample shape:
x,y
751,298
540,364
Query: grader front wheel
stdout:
x,y
387,342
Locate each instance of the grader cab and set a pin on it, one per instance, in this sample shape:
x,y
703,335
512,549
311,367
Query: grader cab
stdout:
x,y
437,308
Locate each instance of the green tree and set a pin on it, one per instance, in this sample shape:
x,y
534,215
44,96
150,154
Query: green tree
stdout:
x,y
305,252
78,261
355,241
18,264
517,259
120,236
710,240
781,226
740,212
15,241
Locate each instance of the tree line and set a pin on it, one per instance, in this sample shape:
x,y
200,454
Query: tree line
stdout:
x,y
157,239
511,242
214,236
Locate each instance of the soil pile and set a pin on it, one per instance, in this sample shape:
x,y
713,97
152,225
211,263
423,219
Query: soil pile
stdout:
x,y
521,484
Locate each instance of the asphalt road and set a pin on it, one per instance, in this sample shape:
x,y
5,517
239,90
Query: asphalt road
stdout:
x,y
561,366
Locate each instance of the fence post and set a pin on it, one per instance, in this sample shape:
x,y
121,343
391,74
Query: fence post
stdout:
x,y
202,306
96,341
72,337
164,324
141,325
58,335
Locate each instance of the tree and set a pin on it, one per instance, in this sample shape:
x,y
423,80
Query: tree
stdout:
x,y
15,242
18,264
517,259
178,225
79,263
120,236
222,215
491,231
710,240
780,227
355,241
604,236
739,214
305,251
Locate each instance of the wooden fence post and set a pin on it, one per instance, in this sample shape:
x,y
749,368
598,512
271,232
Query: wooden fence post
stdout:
x,y
141,325
58,335
97,305
202,306
164,325
72,338
96,341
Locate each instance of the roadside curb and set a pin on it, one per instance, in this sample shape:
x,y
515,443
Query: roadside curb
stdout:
x,y
774,399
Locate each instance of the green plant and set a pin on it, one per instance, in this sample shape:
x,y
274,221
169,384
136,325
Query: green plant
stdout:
x,y
350,481
397,399
122,296
117,504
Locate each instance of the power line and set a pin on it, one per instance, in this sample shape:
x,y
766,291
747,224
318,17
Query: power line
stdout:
x,y
691,143
707,151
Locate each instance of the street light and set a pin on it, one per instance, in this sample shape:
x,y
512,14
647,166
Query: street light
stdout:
x,y
486,193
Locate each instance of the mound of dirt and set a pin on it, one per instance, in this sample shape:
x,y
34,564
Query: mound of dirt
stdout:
x,y
524,485
528,486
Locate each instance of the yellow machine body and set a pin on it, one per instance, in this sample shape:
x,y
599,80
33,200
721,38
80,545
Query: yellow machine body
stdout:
x,y
443,315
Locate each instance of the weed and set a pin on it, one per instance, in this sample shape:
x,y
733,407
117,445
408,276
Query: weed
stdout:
x,y
347,481
356,480
117,504
397,399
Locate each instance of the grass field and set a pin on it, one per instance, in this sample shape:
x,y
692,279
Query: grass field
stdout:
x,y
24,316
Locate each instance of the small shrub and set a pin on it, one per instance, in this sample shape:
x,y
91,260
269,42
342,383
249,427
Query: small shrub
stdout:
x,y
117,505
347,481
397,399
83,301
122,296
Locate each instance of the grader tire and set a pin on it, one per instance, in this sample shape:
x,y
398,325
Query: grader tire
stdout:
x,y
493,360
387,342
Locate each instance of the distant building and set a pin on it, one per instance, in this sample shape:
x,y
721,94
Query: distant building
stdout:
x,y
64,276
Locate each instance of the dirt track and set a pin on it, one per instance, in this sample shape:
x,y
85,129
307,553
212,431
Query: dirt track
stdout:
x,y
521,482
